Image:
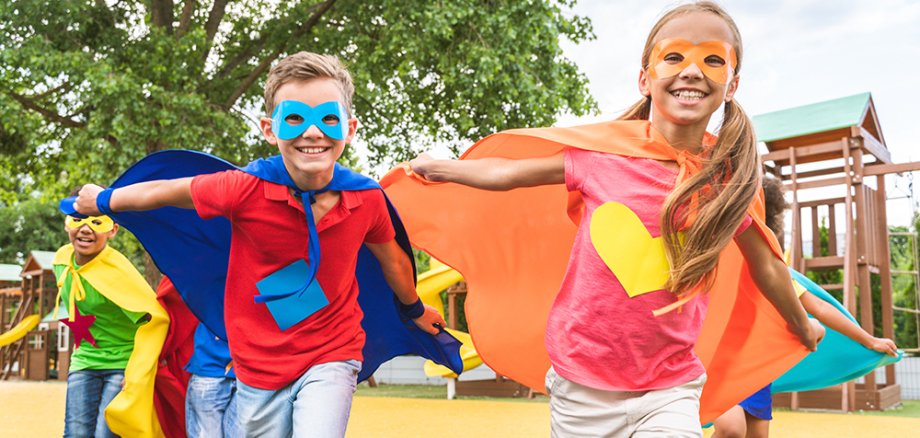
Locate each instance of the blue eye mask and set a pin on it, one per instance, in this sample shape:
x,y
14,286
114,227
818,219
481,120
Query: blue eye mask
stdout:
x,y
291,118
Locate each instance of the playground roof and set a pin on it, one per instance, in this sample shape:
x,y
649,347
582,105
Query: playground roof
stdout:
x,y
10,272
810,119
39,260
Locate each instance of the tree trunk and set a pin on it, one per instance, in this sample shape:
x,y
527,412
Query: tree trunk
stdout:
x,y
151,273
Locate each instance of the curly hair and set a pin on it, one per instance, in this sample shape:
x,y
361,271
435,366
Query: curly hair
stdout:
x,y
775,204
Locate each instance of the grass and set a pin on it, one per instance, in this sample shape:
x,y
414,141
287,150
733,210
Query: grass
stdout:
x,y
908,408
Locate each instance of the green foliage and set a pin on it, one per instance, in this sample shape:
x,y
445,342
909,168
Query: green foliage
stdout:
x,y
903,253
34,224
903,292
89,87
30,225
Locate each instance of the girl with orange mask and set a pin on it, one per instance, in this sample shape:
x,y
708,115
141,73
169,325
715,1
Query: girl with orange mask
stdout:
x,y
622,330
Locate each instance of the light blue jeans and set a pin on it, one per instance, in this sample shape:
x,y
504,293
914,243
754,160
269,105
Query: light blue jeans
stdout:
x,y
316,405
88,393
210,408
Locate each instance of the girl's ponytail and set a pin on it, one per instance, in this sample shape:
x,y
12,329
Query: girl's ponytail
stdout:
x,y
640,110
725,187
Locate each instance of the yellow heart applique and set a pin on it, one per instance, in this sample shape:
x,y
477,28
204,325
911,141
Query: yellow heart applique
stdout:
x,y
625,245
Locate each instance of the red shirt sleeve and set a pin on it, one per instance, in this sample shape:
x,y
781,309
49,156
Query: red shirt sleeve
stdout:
x,y
381,228
217,194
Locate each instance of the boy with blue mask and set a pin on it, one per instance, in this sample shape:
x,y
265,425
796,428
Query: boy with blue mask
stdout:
x,y
294,328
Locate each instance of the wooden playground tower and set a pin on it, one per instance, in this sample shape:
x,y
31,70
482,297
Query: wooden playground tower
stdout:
x,y
837,146
33,355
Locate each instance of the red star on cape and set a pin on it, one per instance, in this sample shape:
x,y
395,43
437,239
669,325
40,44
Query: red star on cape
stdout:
x,y
80,328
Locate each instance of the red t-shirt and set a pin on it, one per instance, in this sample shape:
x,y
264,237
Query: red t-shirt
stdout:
x,y
269,232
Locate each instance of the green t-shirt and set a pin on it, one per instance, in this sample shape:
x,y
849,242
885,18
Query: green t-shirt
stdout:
x,y
113,329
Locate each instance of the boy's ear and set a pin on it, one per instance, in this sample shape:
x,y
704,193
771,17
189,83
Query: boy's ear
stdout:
x,y
265,125
644,83
352,130
114,231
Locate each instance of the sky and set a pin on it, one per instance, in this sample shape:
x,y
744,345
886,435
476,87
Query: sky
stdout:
x,y
795,53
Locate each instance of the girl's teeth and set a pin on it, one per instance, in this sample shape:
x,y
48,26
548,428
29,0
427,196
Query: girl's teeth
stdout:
x,y
689,95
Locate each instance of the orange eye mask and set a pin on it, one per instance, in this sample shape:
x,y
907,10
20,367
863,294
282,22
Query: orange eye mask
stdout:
x,y
716,59
99,224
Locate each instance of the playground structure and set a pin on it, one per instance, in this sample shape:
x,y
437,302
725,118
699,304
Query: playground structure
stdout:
x,y
32,348
838,146
430,284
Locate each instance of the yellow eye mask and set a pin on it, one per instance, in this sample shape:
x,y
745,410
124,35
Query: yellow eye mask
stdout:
x,y
716,59
99,224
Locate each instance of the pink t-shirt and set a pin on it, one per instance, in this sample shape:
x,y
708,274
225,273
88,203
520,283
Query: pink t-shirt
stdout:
x,y
596,334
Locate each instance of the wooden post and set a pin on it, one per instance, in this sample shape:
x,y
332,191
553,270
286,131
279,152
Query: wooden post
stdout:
x,y
884,271
848,393
864,279
796,260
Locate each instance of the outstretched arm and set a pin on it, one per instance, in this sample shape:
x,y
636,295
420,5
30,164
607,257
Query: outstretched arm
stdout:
x,y
771,276
831,317
493,173
147,195
397,270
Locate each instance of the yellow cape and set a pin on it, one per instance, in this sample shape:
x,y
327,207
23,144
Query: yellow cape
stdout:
x,y
131,413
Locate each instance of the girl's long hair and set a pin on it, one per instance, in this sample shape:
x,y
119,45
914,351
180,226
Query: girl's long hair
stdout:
x,y
725,187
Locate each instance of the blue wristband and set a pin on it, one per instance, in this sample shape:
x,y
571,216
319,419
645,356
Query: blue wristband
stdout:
x,y
413,310
102,201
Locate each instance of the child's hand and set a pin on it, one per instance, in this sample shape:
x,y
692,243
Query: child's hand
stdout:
x,y
883,345
428,319
86,200
812,335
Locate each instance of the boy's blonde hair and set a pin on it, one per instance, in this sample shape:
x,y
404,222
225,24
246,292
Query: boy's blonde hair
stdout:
x,y
726,185
303,66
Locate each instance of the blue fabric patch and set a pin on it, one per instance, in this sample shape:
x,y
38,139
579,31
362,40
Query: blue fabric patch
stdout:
x,y
299,300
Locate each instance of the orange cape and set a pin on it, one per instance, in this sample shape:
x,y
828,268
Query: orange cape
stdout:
x,y
513,248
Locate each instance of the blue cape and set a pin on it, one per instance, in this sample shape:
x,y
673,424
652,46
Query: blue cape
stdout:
x,y
838,358
194,254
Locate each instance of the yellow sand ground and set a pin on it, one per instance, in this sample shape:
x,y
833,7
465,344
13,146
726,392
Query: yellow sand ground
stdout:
x,y
36,409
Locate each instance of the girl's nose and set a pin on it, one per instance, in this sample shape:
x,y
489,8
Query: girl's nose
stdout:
x,y
692,71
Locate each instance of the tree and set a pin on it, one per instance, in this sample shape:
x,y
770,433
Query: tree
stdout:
x,y
30,225
91,86
903,258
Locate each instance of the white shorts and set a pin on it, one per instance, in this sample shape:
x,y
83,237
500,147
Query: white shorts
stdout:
x,y
579,411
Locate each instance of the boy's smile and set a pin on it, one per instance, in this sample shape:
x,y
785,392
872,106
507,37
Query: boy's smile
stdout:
x,y
310,156
87,243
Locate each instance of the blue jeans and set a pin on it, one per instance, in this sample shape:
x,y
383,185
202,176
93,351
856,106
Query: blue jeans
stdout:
x,y
210,408
88,393
316,405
